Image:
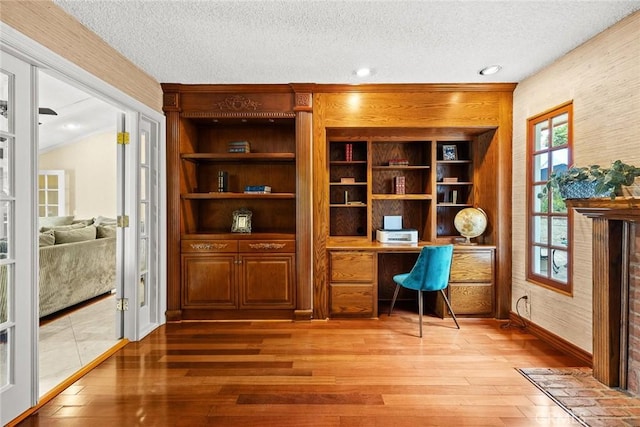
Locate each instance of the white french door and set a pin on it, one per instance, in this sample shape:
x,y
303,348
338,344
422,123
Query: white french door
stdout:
x,y
141,204
18,304
142,199
148,233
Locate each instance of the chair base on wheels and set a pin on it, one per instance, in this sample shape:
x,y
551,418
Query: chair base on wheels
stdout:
x,y
420,303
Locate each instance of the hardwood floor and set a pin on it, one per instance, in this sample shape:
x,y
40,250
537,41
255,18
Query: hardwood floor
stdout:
x,y
320,373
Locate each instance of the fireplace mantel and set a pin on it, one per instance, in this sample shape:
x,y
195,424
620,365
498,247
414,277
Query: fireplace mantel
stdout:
x,y
621,208
612,220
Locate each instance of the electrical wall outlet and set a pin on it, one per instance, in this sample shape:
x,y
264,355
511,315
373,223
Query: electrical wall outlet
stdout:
x,y
527,303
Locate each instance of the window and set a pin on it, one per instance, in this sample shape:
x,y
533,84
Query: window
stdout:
x,y
549,146
51,194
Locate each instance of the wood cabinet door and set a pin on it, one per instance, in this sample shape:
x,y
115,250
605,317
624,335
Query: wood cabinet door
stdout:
x,y
267,281
209,281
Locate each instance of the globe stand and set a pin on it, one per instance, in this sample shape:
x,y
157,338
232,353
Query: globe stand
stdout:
x,y
468,242
470,222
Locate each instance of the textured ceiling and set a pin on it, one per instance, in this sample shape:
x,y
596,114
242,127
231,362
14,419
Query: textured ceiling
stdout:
x,y
217,41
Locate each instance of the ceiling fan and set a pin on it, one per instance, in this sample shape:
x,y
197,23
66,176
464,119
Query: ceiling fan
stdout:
x,y
41,110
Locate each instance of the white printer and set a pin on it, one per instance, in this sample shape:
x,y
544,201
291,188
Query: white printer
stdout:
x,y
394,233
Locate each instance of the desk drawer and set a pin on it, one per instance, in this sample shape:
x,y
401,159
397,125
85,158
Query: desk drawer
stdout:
x,y
471,298
472,266
352,266
351,300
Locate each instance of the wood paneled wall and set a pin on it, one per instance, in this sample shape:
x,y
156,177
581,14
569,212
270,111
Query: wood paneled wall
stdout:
x,y
602,77
52,27
415,106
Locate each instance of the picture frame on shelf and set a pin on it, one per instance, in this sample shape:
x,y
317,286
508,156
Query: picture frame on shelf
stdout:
x,y
449,152
241,221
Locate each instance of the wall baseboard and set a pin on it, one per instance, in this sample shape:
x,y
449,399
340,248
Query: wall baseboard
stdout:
x,y
555,341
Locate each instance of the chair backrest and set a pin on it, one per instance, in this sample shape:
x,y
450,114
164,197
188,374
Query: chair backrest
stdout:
x,y
431,270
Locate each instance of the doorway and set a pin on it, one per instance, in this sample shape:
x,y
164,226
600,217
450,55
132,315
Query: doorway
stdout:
x,y
77,210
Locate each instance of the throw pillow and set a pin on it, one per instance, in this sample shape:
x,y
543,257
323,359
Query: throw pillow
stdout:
x,y
83,221
75,235
103,220
63,227
47,238
52,221
106,231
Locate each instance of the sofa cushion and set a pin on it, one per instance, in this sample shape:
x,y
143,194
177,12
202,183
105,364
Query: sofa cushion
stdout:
x,y
47,238
63,227
52,221
105,231
83,221
103,220
75,235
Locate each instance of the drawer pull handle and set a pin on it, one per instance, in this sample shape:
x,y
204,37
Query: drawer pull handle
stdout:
x,y
208,246
266,245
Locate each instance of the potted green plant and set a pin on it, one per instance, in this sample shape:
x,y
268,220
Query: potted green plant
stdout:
x,y
592,181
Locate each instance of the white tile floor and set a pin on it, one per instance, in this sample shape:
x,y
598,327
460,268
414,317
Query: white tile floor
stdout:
x,y
74,340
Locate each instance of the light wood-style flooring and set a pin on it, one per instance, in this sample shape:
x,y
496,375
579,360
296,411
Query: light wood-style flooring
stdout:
x,y
319,373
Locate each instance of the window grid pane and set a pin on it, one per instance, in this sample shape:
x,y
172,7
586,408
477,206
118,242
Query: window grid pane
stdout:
x,y
550,226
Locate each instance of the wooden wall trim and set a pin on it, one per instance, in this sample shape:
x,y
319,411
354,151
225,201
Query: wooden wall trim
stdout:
x,y
304,213
555,341
414,87
174,303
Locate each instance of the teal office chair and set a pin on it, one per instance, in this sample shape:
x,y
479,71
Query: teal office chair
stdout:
x,y
430,273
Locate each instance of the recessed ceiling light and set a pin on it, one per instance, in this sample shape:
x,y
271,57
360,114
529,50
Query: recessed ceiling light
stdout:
x,y
491,69
363,72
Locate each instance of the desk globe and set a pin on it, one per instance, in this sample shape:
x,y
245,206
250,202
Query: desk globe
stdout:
x,y
470,222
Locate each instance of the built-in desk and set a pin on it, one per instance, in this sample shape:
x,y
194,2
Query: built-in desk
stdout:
x,y
361,274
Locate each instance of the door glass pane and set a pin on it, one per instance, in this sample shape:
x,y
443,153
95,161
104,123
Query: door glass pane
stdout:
x,y
5,114
540,227
143,147
142,290
558,204
144,172
559,265
541,136
143,254
560,130
540,204
541,167
539,261
144,227
559,231
4,357
5,152
5,225
560,159
4,293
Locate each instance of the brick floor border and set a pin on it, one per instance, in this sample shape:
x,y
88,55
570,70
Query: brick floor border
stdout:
x,y
589,401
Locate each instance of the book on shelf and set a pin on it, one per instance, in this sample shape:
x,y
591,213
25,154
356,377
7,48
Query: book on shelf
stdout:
x,y
347,180
452,179
399,184
223,181
257,189
348,152
398,162
239,147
